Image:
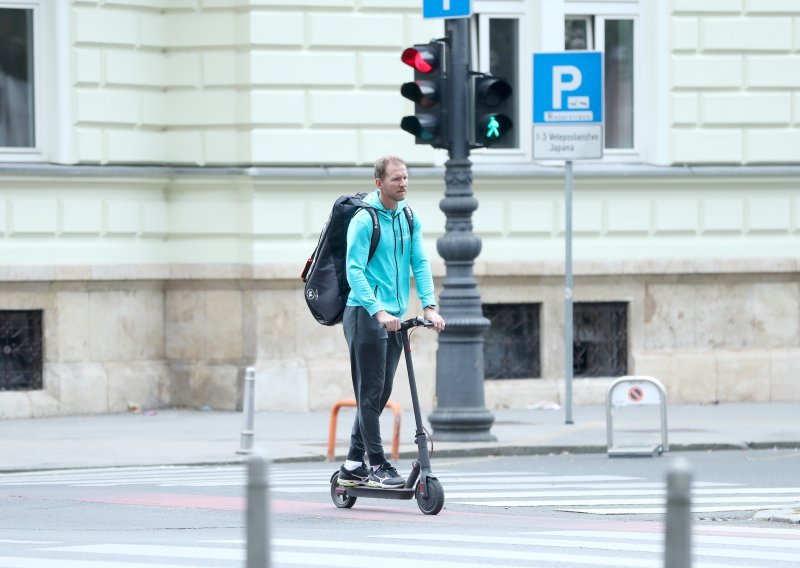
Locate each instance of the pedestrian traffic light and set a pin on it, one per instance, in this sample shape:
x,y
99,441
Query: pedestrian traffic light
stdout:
x,y
492,104
429,123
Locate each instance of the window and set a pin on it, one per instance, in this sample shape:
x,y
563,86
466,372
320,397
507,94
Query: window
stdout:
x,y
35,81
20,350
17,120
511,346
615,37
600,341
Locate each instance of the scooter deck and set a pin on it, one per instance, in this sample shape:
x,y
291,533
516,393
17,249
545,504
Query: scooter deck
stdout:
x,y
378,492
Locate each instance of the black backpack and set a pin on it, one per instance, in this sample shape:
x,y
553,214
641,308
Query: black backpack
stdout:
x,y
324,275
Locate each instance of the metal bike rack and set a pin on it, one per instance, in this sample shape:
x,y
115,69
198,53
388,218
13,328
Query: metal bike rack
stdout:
x,y
636,391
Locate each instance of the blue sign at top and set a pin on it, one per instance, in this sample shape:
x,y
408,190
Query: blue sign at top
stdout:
x,y
568,87
446,8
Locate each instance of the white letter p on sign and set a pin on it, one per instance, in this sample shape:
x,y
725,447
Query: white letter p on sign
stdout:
x,y
559,85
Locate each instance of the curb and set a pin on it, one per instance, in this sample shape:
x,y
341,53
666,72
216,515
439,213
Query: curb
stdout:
x,y
450,452
779,515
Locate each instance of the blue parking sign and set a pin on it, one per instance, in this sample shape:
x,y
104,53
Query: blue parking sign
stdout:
x,y
568,105
568,87
446,8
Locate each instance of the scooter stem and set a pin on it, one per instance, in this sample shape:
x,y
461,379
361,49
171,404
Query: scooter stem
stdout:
x,y
419,439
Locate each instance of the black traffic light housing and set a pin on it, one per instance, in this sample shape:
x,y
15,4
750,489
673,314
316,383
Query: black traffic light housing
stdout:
x,y
491,101
428,91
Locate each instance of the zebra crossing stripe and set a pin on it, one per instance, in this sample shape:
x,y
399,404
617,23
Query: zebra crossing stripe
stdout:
x,y
739,540
594,485
756,530
280,555
535,480
602,544
20,562
603,492
755,500
345,561
471,553
657,510
155,550
15,541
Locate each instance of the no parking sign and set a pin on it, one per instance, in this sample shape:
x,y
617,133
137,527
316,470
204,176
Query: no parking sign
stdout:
x,y
636,393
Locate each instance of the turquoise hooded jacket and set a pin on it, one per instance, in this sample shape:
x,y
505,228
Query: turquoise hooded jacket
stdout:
x,y
384,282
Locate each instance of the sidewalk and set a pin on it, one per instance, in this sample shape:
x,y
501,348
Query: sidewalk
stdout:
x,y
173,437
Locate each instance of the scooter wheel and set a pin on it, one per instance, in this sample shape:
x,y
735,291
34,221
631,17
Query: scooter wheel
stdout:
x,y
339,494
432,501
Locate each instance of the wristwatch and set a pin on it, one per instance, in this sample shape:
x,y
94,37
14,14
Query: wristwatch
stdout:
x,y
430,306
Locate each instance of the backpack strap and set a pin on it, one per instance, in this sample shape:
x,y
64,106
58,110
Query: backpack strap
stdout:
x,y
376,232
410,218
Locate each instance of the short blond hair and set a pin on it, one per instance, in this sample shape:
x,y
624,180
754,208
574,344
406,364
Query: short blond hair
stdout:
x,y
383,162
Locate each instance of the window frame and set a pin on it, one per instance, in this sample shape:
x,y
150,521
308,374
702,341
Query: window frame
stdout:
x,y
51,64
598,12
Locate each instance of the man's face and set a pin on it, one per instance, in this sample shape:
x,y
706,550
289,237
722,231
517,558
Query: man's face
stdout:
x,y
394,183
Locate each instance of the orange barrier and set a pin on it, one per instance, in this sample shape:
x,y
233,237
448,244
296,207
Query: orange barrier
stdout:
x,y
398,414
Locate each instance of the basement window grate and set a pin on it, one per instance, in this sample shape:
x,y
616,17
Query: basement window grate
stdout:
x,y
511,346
600,342
21,349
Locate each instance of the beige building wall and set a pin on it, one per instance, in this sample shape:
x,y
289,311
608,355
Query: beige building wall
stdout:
x,y
735,75
241,82
203,141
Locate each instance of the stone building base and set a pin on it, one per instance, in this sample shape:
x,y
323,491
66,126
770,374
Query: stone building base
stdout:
x,y
114,345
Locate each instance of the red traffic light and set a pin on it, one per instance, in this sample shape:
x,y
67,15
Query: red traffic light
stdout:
x,y
428,92
421,58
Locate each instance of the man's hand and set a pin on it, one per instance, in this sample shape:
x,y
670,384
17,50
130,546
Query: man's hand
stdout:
x,y
388,321
435,319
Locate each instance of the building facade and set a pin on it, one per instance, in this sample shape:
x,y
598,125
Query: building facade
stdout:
x,y
166,166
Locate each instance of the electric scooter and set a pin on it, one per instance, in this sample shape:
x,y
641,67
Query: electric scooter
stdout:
x,y
421,483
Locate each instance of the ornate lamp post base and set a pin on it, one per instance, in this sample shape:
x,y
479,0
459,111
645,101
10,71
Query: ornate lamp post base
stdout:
x,y
466,424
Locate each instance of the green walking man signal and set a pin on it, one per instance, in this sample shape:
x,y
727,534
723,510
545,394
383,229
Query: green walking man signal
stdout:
x,y
494,128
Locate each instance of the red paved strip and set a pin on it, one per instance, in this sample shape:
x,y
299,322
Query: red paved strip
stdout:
x,y
176,500
187,501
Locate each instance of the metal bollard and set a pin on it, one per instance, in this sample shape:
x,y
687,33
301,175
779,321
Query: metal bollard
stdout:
x,y
257,515
246,443
678,537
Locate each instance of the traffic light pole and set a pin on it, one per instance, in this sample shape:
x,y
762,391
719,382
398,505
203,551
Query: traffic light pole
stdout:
x,y
460,413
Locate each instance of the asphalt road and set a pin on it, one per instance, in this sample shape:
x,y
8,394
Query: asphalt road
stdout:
x,y
560,510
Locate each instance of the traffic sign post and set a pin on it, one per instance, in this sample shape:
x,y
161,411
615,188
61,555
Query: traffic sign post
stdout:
x,y
568,125
446,8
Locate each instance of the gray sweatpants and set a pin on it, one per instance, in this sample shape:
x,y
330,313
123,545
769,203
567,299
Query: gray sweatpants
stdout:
x,y
374,354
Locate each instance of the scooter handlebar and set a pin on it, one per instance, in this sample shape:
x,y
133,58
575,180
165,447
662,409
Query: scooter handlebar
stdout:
x,y
415,322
